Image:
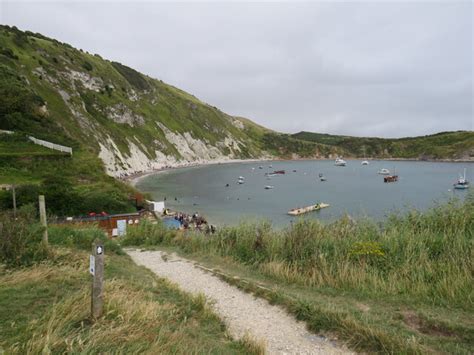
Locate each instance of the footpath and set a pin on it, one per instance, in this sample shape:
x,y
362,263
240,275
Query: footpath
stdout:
x,y
242,312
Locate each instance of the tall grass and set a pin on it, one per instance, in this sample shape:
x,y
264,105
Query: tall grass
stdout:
x,y
21,238
427,256
46,309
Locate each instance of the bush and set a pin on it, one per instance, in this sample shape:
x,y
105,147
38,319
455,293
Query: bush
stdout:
x,y
148,234
81,238
21,238
87,66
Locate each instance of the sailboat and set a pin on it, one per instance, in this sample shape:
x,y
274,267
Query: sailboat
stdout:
x,y
462,182
364,162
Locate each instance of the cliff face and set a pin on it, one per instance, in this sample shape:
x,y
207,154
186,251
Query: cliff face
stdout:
x,y
131,121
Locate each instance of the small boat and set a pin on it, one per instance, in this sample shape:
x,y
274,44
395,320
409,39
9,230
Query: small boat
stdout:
x,y
302,210
462,183
390,178
275,173
365,162
241,178
322,178
320,175
294,170
260,167
383,171
269,187
340,162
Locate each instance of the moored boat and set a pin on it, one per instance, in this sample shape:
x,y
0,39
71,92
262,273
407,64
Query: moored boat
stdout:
x,y
383,171
365,162
302,210
340,162
462,183
275,173
390,178
269,187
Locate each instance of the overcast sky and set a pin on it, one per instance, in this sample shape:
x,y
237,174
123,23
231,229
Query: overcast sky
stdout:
x,y
359,68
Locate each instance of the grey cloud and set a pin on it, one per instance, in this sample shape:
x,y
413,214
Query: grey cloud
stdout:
x,y
362,68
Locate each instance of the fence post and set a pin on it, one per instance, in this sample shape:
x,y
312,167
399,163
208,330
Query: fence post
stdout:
x,y
14,201
97,294
44,223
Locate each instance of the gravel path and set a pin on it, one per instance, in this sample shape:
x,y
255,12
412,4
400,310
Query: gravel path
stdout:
x,y
242,312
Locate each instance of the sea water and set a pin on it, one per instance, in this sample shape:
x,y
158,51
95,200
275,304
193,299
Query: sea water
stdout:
x,y
355,189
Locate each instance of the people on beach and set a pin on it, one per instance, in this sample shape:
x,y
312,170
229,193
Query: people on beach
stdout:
x,y
194,221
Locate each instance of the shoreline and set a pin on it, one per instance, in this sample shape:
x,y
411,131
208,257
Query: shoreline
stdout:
x,y
134,179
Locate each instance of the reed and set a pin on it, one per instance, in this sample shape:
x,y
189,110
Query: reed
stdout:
x,y
423,255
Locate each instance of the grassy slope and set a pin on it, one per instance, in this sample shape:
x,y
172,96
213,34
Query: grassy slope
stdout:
x,y
401,287
23,163
46,308
154,100
445,145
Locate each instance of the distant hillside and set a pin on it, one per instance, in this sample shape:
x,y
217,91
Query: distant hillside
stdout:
x,y
445,145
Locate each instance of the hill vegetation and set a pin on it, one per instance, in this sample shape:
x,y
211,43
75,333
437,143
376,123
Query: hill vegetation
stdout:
x,y
444,145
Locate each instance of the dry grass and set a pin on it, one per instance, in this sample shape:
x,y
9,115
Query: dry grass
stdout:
x,y
50,312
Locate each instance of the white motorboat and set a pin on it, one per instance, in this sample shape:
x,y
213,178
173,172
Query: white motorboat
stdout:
x,y
383,171
269,187
340,162
365,162
462,183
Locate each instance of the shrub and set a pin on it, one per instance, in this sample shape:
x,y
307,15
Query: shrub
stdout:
x,y
21,238
148,234
81,238
87,66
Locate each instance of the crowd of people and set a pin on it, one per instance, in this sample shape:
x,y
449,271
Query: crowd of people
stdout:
x,y
195,222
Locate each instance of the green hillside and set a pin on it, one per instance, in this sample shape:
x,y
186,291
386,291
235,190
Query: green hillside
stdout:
x,y
444,145
60,93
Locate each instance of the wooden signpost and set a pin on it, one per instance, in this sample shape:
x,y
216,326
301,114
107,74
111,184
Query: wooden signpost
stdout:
x,y
96,268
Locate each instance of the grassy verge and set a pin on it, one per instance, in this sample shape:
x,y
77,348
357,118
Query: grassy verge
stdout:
x,y
46,307
404,286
